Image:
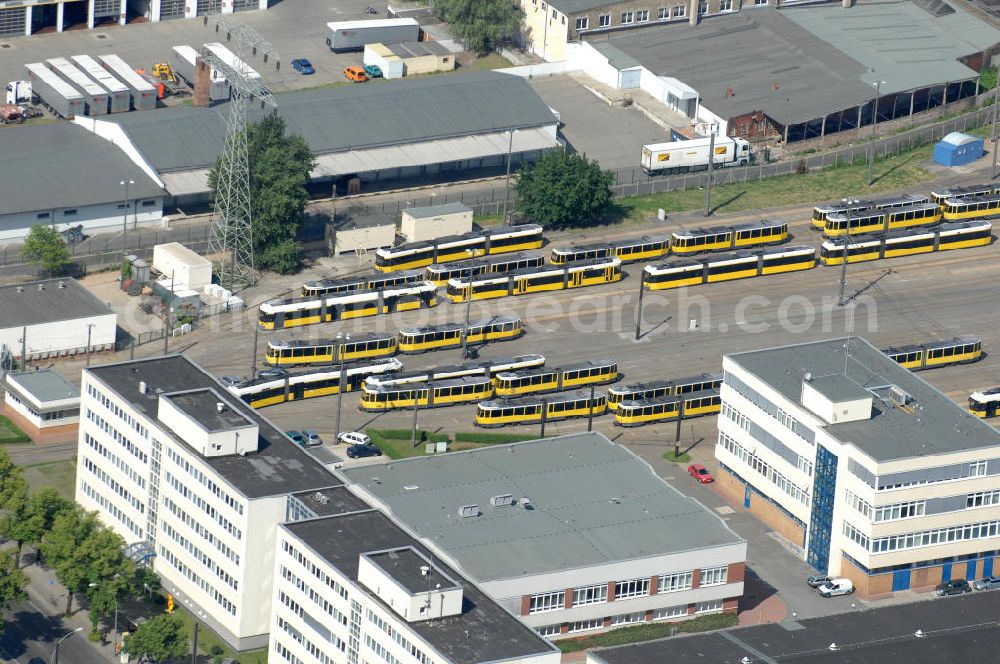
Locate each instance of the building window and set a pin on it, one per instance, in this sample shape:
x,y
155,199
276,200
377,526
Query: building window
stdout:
x,y
805,465
604,20
977,469
548,630
760,2
703,7
582,23
544,7
860,505
726,6
555,14
69,213
983,498
627,17
680,11
597,594
42,215
632,588
585,625
629,618
642,16
857,536
663,13
900,510
713,576
543,602
670,612
562,19
712,606
670,583
148,203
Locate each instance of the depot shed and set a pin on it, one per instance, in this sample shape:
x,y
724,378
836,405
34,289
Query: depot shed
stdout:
x,y
187,269
362,235
420,224
958,149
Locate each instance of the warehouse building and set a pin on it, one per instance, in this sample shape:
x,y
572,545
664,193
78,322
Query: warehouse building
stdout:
x,y
574,534
196,482
64,176
878,476
440,126
18,17
54,318
358,588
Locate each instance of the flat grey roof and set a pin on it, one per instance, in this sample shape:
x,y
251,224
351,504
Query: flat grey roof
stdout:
x,y
437,210
279,466
482,633
45,302
332,500
45,385
616,57
403,564
958,633
936,424
349,118
591,502
802,63
201,405
417,49
64,165
838,387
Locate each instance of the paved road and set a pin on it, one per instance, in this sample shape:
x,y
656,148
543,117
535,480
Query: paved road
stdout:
x,y
29,637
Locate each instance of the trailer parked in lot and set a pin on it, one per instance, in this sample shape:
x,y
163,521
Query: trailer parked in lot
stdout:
x,y
95,97
143,92
184,61
119,94
228,57
684,156
57,94
353,35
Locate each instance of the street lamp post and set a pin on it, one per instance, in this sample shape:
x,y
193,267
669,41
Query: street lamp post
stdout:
x,y
468,309
125,183
506,186
341,383
871,155
55,653
90,328
638,308
711,166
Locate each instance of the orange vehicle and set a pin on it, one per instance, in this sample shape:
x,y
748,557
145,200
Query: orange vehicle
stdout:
x,y
356,74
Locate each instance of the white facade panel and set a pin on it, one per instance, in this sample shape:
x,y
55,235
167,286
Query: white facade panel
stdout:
x,y
107,217
62,337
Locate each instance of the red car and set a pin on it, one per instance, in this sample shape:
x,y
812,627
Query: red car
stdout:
x,y
700,473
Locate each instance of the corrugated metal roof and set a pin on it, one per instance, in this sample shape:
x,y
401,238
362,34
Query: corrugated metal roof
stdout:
x,y
350,118
40,160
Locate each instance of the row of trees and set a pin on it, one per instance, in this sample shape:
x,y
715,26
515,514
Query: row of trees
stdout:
x,y
482,25
87,558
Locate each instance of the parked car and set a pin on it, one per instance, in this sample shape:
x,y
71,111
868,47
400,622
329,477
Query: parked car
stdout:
x,y
272,373
229,380
987,583
303,66
835,587
353,438
296,437
359,451
312,438
700,473
373,71
953,587
356,74
817,580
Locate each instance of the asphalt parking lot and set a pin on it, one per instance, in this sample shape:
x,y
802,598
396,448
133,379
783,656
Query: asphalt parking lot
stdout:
x,y
611,134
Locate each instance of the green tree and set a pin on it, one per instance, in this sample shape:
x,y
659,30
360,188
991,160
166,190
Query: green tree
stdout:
x,y
563,189
110,573
45,505
15,505
64,550
481,24
279,172
45,245
159,639
12,583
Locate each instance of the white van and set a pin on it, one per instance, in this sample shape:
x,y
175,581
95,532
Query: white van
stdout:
x,y
835,587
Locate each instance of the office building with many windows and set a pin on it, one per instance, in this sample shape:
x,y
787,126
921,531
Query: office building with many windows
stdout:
x,y
196,483
874,473
574,534
356,588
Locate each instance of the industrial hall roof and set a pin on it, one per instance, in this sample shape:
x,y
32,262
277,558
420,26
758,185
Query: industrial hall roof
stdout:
x,y
66,165
48,301
572,502
350,118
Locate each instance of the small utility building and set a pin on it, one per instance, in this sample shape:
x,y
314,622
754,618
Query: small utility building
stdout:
x,y
42,402
427,223
958,149
54,318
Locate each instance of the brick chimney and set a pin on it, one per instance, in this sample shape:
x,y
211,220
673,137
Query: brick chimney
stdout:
x,y
202,82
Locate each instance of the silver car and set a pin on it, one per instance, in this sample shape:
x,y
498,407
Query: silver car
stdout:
x,y
313,439
987,583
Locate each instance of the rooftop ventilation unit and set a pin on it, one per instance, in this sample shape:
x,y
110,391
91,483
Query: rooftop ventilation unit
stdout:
x,y
142,387
502,500
220,407
466,511
899,396
321,498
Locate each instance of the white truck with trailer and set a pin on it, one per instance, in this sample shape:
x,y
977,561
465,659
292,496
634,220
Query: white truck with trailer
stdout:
x,y
353,35
54,92
692,155
184,60
143,92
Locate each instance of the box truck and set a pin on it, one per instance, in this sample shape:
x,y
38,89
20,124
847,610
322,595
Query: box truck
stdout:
x,y
229,58
184,61
143,92
95,97
353,35
54,92
120,96
684,156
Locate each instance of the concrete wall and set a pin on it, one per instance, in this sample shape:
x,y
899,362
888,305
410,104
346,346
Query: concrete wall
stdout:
x,y
65,337
94,218
429,64
372,237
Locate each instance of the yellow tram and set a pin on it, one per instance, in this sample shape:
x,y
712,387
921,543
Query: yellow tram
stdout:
x,y
916,357
641,412
528,410
449,335
532,381
330,351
